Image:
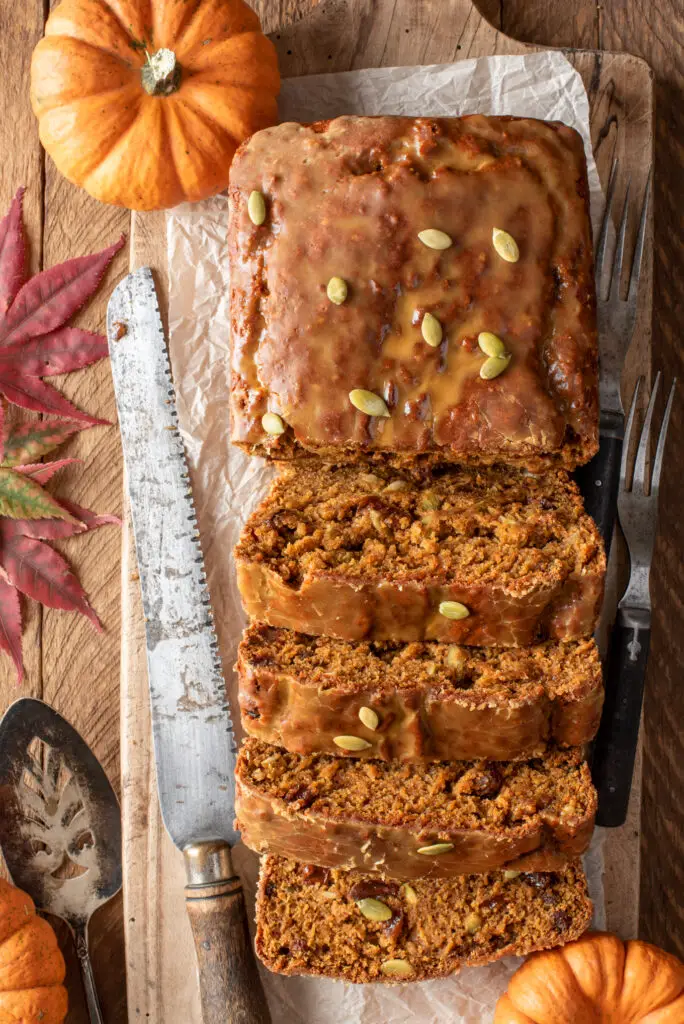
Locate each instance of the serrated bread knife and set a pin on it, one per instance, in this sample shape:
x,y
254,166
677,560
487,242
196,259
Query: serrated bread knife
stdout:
x,y
191,724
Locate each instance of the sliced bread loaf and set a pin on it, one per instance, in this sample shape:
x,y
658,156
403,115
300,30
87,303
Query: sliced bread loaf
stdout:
x,y
419,701
489,556
412,821
343,924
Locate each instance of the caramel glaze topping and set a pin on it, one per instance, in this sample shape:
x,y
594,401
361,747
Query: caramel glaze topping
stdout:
x,y
347,198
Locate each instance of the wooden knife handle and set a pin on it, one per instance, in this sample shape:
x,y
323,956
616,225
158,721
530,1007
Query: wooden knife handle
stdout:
x,y
230,986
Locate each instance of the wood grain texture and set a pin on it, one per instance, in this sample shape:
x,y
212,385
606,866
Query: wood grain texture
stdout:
x,y
339,34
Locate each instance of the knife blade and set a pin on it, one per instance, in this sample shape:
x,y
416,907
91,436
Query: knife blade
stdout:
x,y
191,724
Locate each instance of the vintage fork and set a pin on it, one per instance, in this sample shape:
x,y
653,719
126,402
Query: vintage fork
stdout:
x,y
625,671
616,318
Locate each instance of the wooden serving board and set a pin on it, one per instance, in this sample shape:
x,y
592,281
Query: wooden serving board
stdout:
x,y
341,35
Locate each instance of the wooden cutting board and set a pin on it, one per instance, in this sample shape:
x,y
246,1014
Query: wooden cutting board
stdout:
x,y
341,35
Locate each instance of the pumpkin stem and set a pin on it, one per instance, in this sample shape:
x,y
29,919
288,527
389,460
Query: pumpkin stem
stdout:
x,y
161,73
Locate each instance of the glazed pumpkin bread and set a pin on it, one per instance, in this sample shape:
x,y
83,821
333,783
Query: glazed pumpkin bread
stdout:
x,y
478,556
358,928
419,701
413,821
375,254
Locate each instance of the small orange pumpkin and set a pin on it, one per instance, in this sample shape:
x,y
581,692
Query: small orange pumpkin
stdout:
x,y
599,979
144,102
31,964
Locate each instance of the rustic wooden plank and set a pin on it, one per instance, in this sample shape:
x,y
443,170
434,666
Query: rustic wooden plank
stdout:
x,y
572,23
338,35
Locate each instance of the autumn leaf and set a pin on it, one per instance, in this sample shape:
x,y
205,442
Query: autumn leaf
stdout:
x,y
61,351
90,520
41,472
10,624
32,393
28,442
24,498
12,253
42,574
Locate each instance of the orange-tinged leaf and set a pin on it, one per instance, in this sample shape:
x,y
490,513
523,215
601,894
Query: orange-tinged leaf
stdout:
x,y
28,442
10,624
42,472
24,498
42,574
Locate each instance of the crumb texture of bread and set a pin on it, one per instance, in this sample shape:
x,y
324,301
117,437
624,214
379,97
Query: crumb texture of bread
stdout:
x,y
348,199
344,553
433,701
413,821
311,920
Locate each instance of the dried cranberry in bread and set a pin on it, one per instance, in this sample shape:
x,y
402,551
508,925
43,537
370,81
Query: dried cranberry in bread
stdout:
x,y
346,925
417,702
478,556
413,821
332,284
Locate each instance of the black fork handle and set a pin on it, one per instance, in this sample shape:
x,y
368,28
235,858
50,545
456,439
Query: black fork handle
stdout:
x,y
599,482
616,742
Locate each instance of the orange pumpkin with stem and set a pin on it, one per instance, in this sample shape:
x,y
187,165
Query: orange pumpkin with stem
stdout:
x,y
31,964
599,979
144,102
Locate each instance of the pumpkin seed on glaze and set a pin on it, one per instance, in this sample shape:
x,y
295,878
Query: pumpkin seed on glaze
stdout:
x,y
491,344
256,208
369,718
494,366
368,402
505,245
272,423
453,610
436,849
431,329
355,743
435,239
337,290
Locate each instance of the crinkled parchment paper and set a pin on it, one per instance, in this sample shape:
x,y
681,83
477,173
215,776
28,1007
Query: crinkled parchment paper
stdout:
x,y
227,484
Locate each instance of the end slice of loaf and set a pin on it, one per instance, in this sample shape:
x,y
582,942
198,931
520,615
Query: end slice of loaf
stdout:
x,y
410,821
428,701
488,556
311,920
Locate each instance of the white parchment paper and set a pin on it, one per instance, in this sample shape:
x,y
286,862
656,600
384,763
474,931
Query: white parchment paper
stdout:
x,y
227,484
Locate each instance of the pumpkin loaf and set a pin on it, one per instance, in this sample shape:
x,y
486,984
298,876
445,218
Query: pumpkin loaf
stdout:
x,y
479,556
361,928
417,702
414,821
375,255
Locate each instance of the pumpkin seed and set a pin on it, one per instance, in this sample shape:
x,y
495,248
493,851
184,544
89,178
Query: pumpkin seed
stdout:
x,y
453,610
272,423
510,875
337,290
376,520
431,329
366,401
256,208
473,923
355,743
436,849
491,344
430,501
369,718
397,485
409,893
505,245
435,239
374,910
455,657
397,968
493,367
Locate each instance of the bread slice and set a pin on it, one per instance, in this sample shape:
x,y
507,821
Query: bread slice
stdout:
x,y
490,556
412,821
417,702
313,920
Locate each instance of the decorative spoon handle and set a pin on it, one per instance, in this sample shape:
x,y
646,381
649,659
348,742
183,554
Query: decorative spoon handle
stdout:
x,y
83,953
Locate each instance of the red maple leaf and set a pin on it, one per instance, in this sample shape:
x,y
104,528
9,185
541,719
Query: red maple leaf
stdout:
x,y
35,343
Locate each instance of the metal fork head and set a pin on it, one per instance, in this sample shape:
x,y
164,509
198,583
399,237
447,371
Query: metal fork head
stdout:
x,y
638,495
617,316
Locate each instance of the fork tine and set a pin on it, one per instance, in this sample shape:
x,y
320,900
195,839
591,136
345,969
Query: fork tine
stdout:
x,y
629,426
616,273
639,247
603,234
662,437
639,479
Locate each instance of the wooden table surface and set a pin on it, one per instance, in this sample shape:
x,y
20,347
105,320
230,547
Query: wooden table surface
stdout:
x,y
63,222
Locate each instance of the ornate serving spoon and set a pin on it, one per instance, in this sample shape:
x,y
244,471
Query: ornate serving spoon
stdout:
x,y
60,824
